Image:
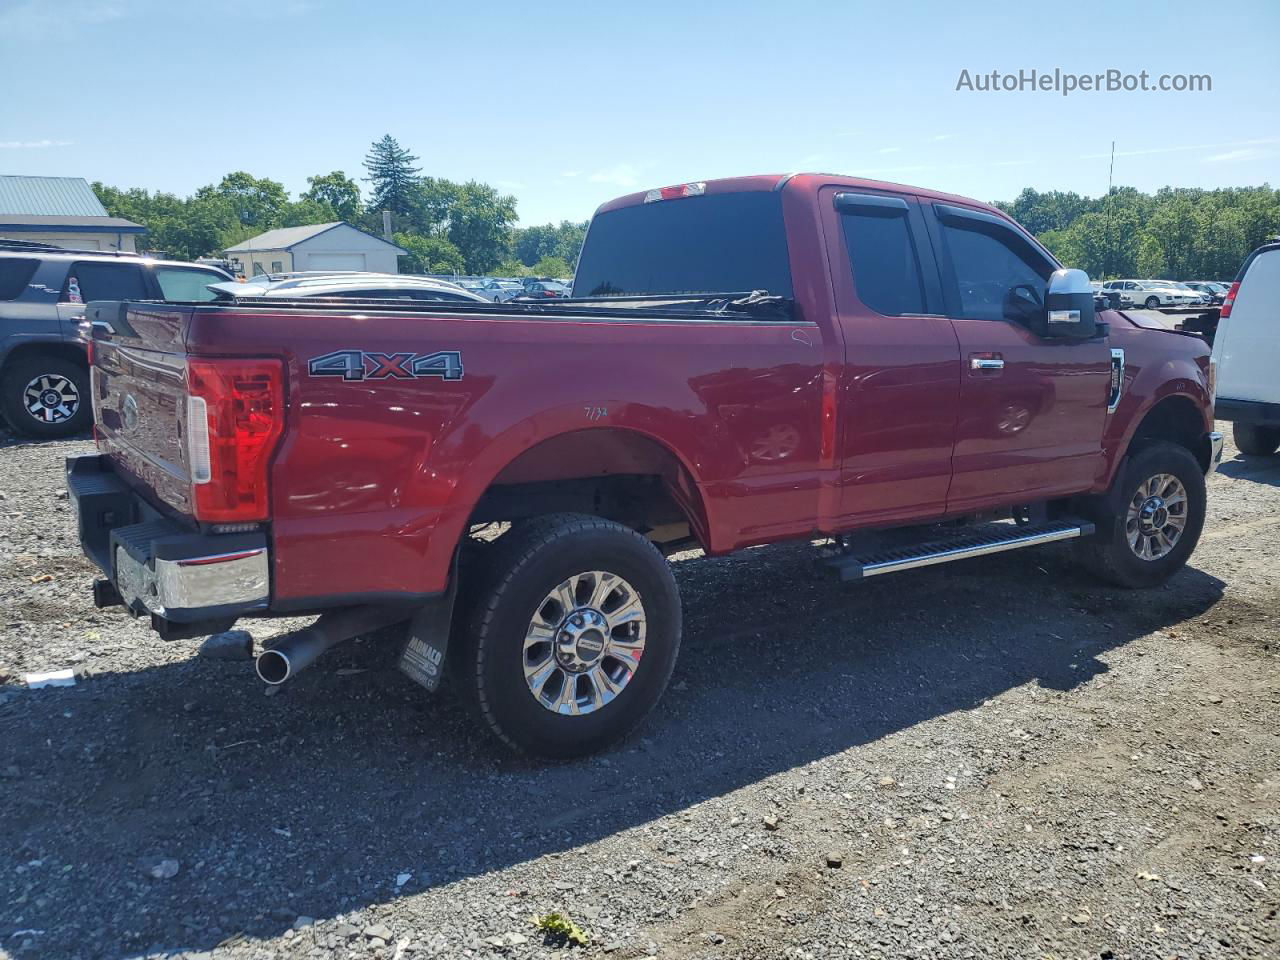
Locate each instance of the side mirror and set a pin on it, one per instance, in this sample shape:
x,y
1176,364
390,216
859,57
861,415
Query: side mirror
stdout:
x,y
1069,312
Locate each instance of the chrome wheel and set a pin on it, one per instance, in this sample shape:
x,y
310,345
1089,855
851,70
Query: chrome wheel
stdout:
x,y
51,398
584,643
1157,516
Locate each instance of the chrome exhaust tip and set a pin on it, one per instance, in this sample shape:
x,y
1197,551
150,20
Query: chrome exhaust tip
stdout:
x,y
273,667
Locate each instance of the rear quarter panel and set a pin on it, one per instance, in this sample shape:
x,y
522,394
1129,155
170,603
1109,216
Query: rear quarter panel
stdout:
x,y
375,479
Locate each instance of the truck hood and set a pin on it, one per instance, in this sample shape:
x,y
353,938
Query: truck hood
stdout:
x,y
1146,322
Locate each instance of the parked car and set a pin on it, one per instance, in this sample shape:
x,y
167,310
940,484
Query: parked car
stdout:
x,y
542,289
1198,298
500,291
1152,294
1246,349
366,286
1215,292
1110,298
907,359
44,375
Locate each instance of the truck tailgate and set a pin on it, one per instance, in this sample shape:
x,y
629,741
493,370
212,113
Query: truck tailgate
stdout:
x,y
139,395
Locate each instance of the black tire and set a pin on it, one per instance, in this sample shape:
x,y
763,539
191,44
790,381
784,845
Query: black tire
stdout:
x,y
521,569
1109,553
1152,303
22,389
1254,440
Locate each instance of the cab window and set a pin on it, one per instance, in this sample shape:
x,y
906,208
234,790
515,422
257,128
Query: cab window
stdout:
x,y
89,280
998,274
882,254
187,284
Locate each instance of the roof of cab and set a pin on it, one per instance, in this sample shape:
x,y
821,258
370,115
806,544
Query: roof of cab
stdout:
x,y
807,182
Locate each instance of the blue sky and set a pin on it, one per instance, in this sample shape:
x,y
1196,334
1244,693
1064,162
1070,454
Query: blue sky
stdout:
x,y
565,105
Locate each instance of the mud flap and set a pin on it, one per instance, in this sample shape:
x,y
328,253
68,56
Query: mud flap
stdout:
x,y
422,659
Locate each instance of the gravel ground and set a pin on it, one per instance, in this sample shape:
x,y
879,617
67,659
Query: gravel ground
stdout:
x,y
999,758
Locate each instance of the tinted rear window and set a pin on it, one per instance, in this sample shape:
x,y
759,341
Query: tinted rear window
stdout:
x,y
886,270
15,274
721,243
108,281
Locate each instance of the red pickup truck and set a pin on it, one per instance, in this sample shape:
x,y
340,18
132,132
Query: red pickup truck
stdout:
x,y
905,375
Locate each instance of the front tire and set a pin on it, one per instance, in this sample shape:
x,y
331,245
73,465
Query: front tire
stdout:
x,y
572,637
46,396
1153,303
1254,440
1155,518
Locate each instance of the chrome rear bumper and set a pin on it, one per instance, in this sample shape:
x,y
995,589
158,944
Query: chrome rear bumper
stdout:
x,y
241,579
188,581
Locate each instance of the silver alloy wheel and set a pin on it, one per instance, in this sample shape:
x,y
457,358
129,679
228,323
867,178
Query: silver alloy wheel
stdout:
x,y
584,643
51,398
1157,516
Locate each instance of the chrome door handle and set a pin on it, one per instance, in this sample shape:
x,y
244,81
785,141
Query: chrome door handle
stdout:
x,y
982,363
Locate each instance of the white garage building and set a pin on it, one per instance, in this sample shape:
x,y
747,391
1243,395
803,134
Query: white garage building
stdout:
x,y
318,246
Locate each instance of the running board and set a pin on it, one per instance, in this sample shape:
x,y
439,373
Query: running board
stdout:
x,y
854,566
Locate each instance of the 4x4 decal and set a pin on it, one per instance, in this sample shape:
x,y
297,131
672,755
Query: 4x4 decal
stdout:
x,y
362,365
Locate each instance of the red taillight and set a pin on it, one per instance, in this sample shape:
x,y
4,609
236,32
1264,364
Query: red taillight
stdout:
x,y
88,349
1228,300
235,414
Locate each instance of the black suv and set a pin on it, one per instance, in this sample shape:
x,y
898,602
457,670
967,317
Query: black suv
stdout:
x,y
44,378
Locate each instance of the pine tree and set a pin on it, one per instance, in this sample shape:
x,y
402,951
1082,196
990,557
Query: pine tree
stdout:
x,y
393,175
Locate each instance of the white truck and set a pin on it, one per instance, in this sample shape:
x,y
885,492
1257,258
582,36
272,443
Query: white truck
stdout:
x,y
1246,350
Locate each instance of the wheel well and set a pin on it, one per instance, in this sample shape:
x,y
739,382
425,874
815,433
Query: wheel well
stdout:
x,y
63,351
1176,420
616,474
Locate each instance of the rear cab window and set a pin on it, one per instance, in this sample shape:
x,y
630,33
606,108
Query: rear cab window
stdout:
x,y
15,274
882,253
717,243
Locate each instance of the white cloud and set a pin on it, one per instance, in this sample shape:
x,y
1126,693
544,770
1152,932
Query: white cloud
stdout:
x,y
33,144
941,136
1178,148
1246,153
620,175
889,150
571,173
41,16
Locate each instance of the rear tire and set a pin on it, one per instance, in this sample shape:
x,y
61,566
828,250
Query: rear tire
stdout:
x,y
560,616
1254,440
1153,523
46,396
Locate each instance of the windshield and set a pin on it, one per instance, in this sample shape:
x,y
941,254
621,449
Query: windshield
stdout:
x,y
719,243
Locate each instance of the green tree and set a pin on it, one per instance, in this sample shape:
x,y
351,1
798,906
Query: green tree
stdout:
x,y
551,267
478,225
256,202
304,211
531,244
339,191
393,175
1151,257
428,254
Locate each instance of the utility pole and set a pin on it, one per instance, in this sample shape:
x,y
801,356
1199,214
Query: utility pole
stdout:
x,y
1111,172
386,225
